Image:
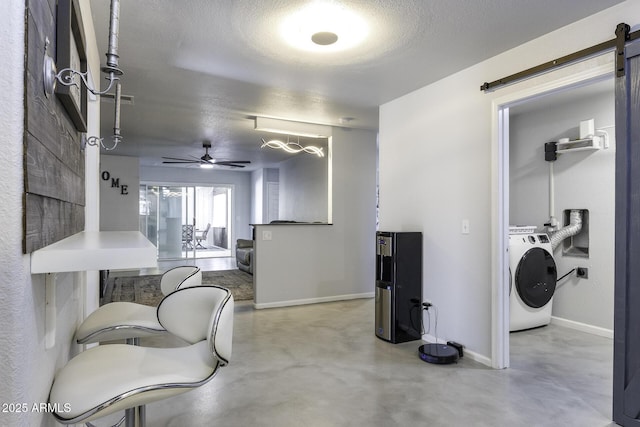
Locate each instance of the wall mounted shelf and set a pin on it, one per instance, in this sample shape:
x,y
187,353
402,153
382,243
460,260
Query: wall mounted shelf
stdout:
x,y
580,145
96,250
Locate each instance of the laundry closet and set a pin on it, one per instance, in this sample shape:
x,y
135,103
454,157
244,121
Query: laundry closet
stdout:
x,y
578,186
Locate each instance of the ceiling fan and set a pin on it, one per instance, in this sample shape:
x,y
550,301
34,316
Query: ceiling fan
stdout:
x,y
206,161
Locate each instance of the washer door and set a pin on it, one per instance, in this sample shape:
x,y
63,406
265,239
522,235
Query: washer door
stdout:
x,y
536,277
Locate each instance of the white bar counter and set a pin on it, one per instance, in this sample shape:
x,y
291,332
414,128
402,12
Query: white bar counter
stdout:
x,y
96,250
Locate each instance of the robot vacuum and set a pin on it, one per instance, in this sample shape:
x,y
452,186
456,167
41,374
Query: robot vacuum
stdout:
x,y
440,354
533,276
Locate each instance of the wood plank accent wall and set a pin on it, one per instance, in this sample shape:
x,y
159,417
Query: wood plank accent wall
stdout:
x,y
54,201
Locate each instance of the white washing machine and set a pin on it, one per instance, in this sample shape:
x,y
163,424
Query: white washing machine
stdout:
x,y
533,276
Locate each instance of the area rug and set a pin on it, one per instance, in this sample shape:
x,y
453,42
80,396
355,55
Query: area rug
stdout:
x,y
146,289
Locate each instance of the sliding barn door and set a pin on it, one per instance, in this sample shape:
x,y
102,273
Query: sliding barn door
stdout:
x,y
626,381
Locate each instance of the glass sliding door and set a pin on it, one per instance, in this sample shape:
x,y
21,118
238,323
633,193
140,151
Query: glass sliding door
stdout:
x,y
166,218
213,221
186,222
222,218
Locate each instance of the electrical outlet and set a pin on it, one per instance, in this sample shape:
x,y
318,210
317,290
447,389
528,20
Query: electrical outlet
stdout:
x,y
582,272
266,235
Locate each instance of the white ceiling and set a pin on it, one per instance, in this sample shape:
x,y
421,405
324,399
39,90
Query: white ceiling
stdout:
x,y
202,69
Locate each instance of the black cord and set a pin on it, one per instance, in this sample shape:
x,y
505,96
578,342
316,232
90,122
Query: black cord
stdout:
x,y
426,309
425,330
415,303
411,316
571,271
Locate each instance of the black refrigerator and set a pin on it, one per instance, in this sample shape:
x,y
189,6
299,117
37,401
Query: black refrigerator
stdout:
x,y
398,316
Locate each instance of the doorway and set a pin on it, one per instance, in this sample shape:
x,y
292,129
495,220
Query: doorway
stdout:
x,y
541,191
187,222
583,75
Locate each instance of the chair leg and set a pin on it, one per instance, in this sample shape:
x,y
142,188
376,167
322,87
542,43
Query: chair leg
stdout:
x,y
135,417
142,416
118,424
130,417
138,413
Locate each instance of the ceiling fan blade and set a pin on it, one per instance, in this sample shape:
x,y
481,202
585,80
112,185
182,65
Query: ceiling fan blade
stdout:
x,y
184,160
222,162
229,163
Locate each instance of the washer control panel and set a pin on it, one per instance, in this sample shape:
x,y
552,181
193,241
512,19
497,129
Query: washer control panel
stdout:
x,y
529,238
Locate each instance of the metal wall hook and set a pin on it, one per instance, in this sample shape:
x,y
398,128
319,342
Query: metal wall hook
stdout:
x,y
94,141
67,77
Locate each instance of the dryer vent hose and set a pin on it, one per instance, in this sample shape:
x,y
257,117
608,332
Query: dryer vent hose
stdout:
x,y
574,227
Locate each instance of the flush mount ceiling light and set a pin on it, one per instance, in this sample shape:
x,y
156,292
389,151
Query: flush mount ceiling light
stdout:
x,y
324,38
324,27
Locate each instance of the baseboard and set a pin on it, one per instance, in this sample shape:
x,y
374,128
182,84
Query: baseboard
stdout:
x,y
468,354
595,330
306,301
478,357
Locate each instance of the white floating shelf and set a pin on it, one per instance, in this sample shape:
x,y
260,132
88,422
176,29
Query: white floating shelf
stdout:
x,y
96,250
579,145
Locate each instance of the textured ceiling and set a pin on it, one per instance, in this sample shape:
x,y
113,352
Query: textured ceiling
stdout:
x,y
201,69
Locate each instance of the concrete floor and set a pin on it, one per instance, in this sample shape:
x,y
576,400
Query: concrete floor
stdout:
x,y
321,365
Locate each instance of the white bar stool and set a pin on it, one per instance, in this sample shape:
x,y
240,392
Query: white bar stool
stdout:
x,y
130,321
109,378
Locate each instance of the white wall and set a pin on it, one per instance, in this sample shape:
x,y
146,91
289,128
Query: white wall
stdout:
x,y
436,170
258,196
27,367
240,181
119,193
303,188
271,192
261,179
92,169
583,180
313,263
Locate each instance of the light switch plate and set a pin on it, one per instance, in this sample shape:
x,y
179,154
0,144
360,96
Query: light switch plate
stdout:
x,y
266,235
